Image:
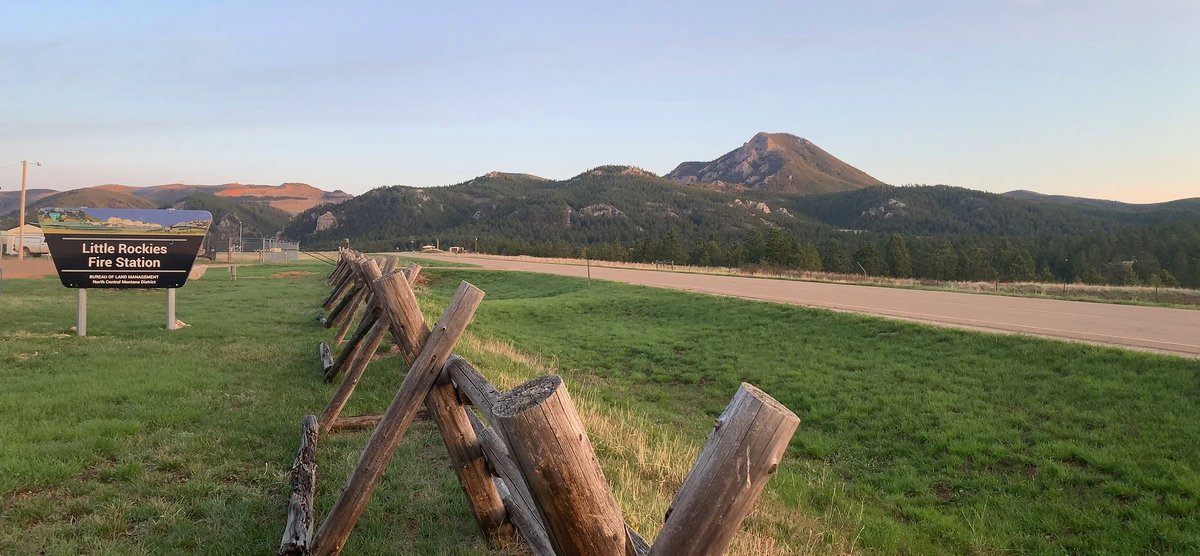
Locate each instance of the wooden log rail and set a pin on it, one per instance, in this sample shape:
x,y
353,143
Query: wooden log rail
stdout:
x,y
429,349
530,468
366,270
370,317
338,279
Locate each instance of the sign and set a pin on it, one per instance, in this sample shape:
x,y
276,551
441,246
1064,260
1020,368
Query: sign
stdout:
x,y
123,248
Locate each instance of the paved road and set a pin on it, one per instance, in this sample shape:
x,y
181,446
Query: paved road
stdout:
x,y
1174,331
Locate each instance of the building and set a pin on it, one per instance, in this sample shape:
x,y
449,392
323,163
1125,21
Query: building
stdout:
x,y
33,237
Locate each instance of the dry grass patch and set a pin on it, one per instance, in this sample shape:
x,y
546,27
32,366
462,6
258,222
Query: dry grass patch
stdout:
x,y
646,464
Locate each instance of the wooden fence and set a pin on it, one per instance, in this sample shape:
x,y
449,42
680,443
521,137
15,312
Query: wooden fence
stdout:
x,y
522,457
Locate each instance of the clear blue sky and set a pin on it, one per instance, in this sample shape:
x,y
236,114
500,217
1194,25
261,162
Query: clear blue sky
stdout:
x,y
1092,98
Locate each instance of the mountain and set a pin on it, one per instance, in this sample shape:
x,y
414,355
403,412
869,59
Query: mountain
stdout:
x,y
10,201
605,205
624,203
235,218
1184,207
92,197
776,162
1027,195
625,213
288,197
291,198
88,197
240,216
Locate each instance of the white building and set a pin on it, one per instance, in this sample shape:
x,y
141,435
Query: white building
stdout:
x,y
9,238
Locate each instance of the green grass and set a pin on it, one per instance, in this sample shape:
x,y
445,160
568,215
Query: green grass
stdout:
x,y
951,441
913,439
139,440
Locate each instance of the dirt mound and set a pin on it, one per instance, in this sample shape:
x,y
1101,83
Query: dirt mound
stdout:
x,y
293,274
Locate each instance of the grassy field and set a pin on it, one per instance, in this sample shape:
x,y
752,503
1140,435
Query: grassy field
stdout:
x,y
136,440
912,440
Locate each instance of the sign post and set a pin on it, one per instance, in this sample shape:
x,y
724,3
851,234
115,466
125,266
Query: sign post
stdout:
x,y
81,312
123,248
170,308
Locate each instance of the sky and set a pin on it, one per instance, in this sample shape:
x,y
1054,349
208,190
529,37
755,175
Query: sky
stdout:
x,y
1089,98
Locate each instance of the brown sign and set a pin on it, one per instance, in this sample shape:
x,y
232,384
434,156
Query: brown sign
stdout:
x,y
123,248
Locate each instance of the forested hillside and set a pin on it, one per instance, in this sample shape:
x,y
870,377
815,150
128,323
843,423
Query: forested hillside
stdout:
x,y
938,232
235,218
611,209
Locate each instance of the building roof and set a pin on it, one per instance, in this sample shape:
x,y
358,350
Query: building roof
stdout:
x,y
29,228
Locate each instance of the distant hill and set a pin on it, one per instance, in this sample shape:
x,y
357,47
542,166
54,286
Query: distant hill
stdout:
x,y
625,213
92,197
775,162
235,217
605,205
10,201
1027,195
623,203
1186,206
288,197
291,198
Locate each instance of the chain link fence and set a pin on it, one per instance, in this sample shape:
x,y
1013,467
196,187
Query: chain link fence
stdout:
x,y
264,250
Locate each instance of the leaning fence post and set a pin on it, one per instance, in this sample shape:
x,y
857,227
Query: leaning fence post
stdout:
x,y
357,366
341,279
450,416
426,366
369,272
547,438
347,317
466,455
297,534
741,453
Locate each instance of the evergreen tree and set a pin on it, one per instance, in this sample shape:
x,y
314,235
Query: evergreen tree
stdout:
x,y
976,264
834,259
671,249
808,258
644,250
1016,264
1146,265
868,259
943,264
898,259
1089,275
780,249
756,247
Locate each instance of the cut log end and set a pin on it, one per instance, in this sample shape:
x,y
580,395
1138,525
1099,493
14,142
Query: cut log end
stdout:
x,y
526,395
769,401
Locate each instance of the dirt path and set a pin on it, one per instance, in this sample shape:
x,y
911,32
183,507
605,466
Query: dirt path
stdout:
x,y
31,267
1160,329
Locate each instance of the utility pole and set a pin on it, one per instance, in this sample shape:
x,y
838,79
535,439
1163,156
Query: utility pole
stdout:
x,y
21,223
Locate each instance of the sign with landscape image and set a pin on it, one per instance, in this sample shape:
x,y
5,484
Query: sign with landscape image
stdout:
x,y
123,248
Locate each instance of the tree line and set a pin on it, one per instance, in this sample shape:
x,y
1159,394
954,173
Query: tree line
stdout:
x,y
1167,255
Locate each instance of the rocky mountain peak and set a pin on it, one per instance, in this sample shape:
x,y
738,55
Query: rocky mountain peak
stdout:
x,y
775,162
